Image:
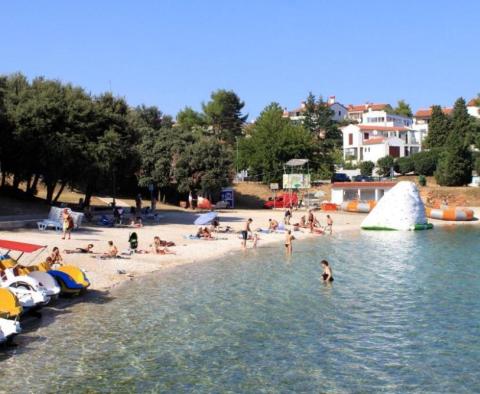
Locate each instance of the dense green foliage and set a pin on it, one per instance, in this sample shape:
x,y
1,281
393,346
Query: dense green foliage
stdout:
x,y
425,163
326,136
271,142
455,164
404,165
366,168
62,136
403,108
384,165
438,128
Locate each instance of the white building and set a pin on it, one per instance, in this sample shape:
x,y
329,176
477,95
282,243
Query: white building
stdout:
x,y
359,191
473,107
380,134
355,112
339,111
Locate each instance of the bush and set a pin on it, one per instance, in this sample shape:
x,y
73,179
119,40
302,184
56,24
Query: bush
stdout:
x,y
384,165
366,168
425,163
454,167
404,165
422,180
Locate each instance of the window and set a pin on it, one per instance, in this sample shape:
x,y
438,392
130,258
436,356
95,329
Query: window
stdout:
x,y
365,136
339,113
350,139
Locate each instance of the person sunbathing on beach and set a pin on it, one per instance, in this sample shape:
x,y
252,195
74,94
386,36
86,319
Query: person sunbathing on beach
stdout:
x,y
203,232
112,251
158,248
87,249
272,225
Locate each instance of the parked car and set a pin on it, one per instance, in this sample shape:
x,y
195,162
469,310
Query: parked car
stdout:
x,y
362,178
340,177
282,201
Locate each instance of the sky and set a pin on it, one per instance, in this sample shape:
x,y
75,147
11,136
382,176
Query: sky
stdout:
x,y
173,54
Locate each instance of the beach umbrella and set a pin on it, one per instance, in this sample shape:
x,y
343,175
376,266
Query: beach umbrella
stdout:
x,y
206,218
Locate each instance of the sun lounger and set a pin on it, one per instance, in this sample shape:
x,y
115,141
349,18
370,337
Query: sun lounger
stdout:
x,y
55,219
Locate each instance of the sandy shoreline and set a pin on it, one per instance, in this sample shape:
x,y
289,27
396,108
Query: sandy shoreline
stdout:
x,y
173,226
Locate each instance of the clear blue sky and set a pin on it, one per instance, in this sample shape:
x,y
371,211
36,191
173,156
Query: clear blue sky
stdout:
x,y
174,53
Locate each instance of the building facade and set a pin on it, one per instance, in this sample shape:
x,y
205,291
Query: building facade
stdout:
x,y
379,133
339,111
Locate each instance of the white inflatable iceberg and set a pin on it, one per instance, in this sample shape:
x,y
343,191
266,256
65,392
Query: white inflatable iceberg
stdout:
x,y
401,208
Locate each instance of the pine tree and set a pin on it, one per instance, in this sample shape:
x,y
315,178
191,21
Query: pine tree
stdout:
x,y
455,164
319,122
438,129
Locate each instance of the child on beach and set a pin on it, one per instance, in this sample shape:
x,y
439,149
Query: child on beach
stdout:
x,y
327,275
56,257
255,240
272,225
67,223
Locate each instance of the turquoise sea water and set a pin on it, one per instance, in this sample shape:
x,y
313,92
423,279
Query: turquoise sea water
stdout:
x,y
403,315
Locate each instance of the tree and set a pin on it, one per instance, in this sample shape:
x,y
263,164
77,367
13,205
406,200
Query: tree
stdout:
x,y
366,168
404,165
384,165
438,129
273,140
403,108
321,126
190,120
204,166
425,162
455,165
462,125
224,114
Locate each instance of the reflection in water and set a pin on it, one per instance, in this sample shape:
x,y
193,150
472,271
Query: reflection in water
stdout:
x,y
402,315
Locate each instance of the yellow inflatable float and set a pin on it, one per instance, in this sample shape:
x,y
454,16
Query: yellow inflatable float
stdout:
x,y
10,307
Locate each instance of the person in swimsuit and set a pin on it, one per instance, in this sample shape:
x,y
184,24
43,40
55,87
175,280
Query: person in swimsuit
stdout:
x,y
288,216
272,225
67,223
245,232
56,256
329,224
311,220
88,249
288,242
327,275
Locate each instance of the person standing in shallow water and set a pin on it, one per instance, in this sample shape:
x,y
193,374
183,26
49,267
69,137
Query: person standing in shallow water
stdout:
x,y
245,232
327,275
288,242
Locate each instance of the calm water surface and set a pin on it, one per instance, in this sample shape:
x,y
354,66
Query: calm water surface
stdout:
x,y
403,315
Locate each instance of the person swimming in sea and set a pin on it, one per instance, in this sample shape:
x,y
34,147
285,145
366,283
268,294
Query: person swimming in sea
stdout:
x,y
327,275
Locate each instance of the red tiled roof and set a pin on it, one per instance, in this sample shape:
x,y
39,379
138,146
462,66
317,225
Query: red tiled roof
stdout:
x,y
427,112
366,107
374,141
367,185
474,102
365,127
